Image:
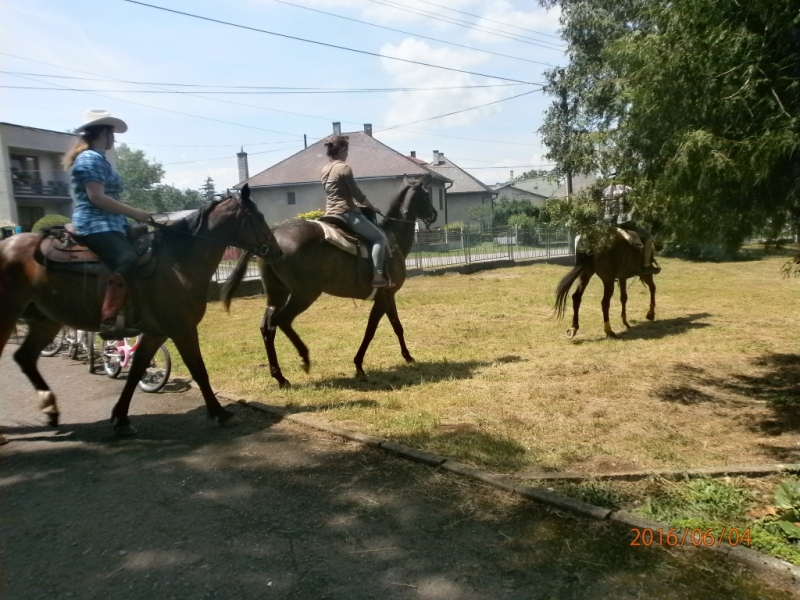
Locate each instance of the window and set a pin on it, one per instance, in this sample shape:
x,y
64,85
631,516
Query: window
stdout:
x,y
441,199
290,198
28,215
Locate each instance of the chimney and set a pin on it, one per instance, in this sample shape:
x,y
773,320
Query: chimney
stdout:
x,y
441,158
413,154
436,157
337,128
368,129
244,171
511,176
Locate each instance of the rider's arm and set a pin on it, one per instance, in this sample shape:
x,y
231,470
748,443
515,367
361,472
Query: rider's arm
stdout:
x,y
96,194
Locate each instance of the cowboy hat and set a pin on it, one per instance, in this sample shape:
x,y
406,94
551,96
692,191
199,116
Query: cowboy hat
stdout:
x,y
101,117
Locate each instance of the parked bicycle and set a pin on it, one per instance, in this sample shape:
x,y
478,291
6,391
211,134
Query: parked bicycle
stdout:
x,y
53,348
118,354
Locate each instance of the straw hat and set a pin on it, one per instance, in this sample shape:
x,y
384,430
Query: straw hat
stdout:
x,y
101,117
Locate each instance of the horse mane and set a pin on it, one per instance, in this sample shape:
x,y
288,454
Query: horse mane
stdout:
x,y
395,204
189,226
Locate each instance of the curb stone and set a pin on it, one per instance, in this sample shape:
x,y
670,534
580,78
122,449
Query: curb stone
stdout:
x,y
753,559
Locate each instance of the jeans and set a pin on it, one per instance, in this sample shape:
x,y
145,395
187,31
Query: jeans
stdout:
x,y
363,227
114,249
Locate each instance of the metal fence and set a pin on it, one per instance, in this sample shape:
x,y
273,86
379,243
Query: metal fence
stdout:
x,y
450,247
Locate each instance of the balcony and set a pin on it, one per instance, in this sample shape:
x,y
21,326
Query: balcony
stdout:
x,y
40,184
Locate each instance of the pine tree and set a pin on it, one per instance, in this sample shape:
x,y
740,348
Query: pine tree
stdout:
x,y
207,191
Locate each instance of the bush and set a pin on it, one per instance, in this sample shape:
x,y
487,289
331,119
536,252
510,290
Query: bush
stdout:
x,y
49,221
310,215
699,252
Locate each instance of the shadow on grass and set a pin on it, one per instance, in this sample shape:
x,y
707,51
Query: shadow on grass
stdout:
x,y
416,373
647,330
778,384
468,443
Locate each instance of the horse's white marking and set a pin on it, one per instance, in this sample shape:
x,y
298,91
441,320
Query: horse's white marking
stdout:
x,y
47,402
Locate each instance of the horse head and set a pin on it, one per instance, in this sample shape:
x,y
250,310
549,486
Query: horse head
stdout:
x,y
245,225
417,203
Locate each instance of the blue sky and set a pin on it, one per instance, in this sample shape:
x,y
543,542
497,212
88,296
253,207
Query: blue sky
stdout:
x,y
123,57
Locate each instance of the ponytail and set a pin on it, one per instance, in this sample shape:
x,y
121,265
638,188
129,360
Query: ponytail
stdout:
x,y
89,135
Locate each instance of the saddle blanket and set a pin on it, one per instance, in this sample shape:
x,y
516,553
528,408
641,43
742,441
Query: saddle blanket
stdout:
x,y
344,242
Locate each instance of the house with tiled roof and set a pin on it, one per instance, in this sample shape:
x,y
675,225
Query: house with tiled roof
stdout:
x,y
538,189
293,185
464,193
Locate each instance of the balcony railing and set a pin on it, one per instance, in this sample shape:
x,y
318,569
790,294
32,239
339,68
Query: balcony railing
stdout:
x,y
40,184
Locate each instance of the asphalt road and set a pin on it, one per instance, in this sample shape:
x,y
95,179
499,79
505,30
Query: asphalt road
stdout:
x,y
268,509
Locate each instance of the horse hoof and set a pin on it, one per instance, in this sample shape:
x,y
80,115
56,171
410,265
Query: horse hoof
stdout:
x,y
52,419
306,366
360,374
3,439
571,332
124,430
650,316
611,335
284,385
409,359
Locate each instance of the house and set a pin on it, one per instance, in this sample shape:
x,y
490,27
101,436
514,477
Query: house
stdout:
x,y
464,193
293,185
32,181
539,189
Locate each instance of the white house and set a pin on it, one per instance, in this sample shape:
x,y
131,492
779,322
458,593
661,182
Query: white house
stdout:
x,y
293,186
32,182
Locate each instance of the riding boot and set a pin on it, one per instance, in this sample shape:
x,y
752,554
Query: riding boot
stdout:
x,y
648,268
379,281
112,320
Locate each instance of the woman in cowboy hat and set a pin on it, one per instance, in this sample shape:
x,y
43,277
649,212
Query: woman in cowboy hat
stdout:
x,y
341,192
99,214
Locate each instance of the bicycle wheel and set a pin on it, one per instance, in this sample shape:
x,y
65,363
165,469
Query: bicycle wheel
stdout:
x,y
20,332
70,337
157,374
111,358
55,346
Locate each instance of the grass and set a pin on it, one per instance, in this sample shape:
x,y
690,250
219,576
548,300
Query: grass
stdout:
x,y
713,381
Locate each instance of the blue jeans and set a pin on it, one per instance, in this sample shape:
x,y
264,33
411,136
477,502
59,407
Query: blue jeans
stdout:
x,y
363,227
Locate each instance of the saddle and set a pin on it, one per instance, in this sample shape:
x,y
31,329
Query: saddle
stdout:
x,y
631,237
60,248
338,233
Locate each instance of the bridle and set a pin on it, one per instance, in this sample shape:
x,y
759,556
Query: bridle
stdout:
x,y
405,218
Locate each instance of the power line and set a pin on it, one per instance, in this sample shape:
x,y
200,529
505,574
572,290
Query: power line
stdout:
x,y
241,93
491,20
455,112
327,45
468,25
424,37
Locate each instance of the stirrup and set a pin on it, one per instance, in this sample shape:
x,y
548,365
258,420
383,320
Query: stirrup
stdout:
x,y
381,283
649,270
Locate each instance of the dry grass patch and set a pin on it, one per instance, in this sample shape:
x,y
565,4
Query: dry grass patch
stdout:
x,y
713,381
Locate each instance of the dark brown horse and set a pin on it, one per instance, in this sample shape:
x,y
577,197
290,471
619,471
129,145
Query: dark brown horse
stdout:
x,y
619,262
172,300
311,267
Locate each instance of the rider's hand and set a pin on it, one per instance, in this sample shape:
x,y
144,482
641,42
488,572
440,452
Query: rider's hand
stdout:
x,y
142,216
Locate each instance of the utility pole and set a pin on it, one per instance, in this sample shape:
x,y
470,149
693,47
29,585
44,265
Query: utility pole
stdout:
x,y
305,141
567,132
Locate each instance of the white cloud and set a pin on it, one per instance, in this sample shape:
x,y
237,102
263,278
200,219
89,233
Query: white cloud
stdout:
x,y
406,107
516,23
224,177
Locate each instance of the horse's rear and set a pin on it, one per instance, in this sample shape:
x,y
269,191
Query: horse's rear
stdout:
x,y
618,263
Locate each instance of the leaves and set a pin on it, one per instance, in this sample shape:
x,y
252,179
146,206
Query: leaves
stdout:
x,y
787,496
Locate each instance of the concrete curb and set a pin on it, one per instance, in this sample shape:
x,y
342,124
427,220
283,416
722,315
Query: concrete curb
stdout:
x,y
753,559
671,474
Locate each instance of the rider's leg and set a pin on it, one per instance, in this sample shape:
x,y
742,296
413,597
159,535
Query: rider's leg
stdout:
x,y
363,227
119,256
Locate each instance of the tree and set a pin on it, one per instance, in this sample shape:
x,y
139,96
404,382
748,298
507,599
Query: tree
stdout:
x,y
482,213
139,176
505,208
693,103
207,191
534,174
143,188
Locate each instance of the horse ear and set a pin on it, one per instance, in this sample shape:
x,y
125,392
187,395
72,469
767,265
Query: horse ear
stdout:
x,y
246,193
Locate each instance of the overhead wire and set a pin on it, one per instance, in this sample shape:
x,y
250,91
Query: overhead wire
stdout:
x,y
424,37
318,43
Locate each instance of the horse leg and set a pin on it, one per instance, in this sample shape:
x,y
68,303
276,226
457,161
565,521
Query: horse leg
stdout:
x,y
188,346
375,315
268,335
623,300
394,319
577,297
605,303
148,346
651,314
40,333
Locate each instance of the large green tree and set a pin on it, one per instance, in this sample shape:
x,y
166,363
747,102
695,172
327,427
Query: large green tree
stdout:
x,y
143,188
693,103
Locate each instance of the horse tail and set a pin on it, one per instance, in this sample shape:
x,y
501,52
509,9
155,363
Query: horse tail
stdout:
x,y
563,287
234,280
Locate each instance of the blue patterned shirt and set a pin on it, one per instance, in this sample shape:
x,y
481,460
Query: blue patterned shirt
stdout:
x,y
90,165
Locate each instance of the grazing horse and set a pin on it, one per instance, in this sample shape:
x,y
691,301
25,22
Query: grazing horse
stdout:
x,y
311,266
619,262
171,300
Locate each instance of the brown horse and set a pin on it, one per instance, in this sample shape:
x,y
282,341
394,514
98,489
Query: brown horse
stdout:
x,y
311,267
619,262
171,301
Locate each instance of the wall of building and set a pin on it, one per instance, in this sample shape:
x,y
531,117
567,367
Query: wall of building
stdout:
x,y
458,205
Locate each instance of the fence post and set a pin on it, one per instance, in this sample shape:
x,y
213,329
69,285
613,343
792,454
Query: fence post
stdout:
x,y
511,240
548,241
464,246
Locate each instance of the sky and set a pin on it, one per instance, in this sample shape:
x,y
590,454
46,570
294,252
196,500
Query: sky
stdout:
x,y
459,76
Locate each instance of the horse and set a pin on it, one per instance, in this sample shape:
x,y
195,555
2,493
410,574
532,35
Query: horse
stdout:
x,y
311,267
171,300
617,262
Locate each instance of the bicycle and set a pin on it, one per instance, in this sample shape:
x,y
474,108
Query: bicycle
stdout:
x,y
21,332
118,354
79,342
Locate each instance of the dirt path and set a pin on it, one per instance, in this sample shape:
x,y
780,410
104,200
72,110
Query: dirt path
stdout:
x,y
271,510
